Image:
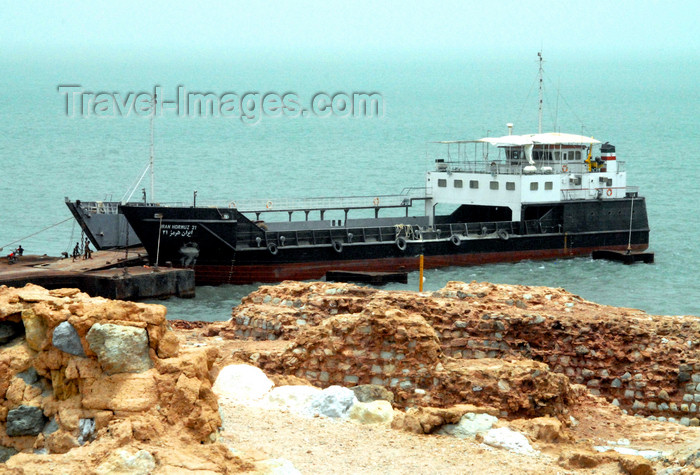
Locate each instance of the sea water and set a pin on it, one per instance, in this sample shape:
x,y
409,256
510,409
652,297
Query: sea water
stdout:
x,y
647,110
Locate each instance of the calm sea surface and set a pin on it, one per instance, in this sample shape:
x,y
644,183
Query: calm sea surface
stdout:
x,y
647,110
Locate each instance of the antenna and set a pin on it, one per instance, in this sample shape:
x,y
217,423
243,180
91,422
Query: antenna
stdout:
x,y
155,102
539,109
556,108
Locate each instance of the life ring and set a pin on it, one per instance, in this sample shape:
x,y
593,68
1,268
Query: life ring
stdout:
x,y
401,243
565,168
272,247
231,204
338,246
455,240
503,234
268,205
609,192
376,201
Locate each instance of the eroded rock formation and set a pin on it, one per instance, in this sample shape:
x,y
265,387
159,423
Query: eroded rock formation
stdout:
x,y
479,343
76,369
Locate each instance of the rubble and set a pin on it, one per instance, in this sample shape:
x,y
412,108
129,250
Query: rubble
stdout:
x,y
89,382
646,365
543,377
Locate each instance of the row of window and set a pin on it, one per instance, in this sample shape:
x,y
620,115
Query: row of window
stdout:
x,y
494,185
516,155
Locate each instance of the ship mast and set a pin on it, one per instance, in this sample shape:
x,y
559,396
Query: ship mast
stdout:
x,y
539,109
153,115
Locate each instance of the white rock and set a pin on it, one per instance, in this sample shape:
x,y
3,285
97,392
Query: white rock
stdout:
x,y
469,425
276,467
242,383
374,412
647,454
334,401
510,440
294,398
123,462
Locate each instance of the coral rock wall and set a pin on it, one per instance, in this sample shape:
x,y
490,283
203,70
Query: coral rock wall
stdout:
x,y
73,367
345,334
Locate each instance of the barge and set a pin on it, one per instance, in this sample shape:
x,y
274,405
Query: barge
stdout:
x,y
493,199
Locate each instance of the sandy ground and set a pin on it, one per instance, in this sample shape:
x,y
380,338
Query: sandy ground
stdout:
x,y
326,446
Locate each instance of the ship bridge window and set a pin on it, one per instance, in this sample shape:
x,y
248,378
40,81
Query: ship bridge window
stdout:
x,y
493,185
474,184
442,183
533,186
458,183
510,185
513,155
542,155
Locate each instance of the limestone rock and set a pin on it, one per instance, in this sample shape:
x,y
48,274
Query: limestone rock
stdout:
x,y
34,329
66,339
120,348
578,458
168,345
92,410
276,467
426,420
242,383
510,440
354,335
372,392
68,292
545,429
373,412
25,420
636,465
469,425
121,392
60,442
125,462
334,401
294,398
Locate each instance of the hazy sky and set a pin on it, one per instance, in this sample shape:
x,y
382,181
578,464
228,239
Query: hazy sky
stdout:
x,y
412,28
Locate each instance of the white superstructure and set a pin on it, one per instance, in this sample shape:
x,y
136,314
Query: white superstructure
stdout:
x,y
515,170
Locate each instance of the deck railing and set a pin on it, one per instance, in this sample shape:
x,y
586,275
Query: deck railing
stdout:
x,y
412,233
587,193
505,168
403,199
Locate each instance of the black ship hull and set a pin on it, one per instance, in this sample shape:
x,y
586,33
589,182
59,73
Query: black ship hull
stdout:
x,y
225,247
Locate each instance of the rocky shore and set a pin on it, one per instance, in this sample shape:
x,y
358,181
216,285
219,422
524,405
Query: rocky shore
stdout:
x,y
323,378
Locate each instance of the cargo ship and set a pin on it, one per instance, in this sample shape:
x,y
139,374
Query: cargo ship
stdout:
x,y
509,198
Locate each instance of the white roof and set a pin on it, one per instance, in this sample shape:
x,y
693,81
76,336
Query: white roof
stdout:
x,y
550,138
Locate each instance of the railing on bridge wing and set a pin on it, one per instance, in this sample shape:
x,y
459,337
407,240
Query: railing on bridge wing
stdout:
x,y
568,194
502,167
